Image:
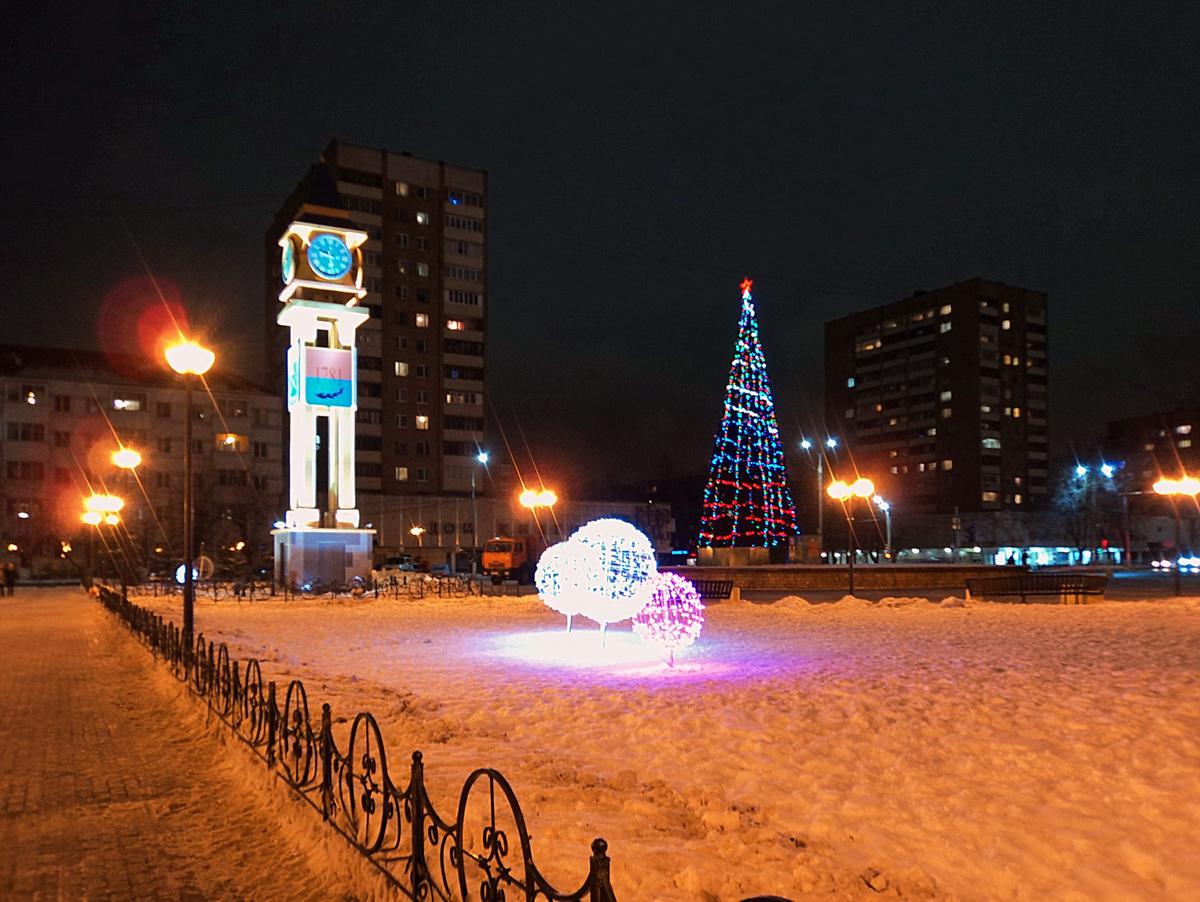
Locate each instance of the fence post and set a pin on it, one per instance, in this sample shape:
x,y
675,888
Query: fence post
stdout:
x,y
326,761
416,789
598,878
272,723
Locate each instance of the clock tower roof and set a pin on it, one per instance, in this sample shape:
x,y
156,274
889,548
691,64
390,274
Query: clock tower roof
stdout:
x,y
322,203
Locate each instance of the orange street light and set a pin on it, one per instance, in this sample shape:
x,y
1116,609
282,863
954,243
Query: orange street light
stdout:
x,y
105,504
845,492
126,458
92,518
532,498
189,358
1172,488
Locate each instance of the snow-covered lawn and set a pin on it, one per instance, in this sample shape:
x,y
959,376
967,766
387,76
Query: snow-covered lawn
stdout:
x,y
934,751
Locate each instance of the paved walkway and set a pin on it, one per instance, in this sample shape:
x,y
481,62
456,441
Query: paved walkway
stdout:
x,y
104,793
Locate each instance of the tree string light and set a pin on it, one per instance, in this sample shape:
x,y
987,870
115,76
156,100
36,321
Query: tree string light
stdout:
x,y
747,501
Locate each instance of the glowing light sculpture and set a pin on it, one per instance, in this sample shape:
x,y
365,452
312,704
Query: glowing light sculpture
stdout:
x,y
673,615
747,501
562,573
601,572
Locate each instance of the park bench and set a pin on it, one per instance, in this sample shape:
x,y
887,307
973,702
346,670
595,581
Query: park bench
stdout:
x,y
1064,588
713,588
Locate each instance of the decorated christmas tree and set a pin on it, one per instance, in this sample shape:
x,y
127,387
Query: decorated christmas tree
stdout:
x,y
747,501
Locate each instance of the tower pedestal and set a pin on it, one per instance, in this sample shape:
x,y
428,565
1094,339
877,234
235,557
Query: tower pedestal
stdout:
x,y
333,556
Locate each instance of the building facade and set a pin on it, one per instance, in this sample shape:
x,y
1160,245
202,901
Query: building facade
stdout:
x,y
942,398
64,413
1155,445
421,355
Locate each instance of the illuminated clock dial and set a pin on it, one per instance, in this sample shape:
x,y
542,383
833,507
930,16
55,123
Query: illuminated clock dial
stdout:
x,y
328,256
288,261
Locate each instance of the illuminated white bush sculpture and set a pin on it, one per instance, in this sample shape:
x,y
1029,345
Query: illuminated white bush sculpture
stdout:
x,y
562,573
601,572
673,615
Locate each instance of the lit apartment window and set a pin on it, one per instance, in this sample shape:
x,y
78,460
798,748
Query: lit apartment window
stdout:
x,y
895,469
1005,307
946,412
946,310
948,464
989,496
850,382
457,325
1006,324
1183,430
421,320
401,368
944,327
401,474
1016,413
422,269
128,403
1149,446
947,395
1185,443
402,267
1017,498
402,189
422,219
878,408
422,421
991,443
1008,359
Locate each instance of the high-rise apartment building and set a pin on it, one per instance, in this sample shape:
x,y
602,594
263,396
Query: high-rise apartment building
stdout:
x,y
1146,448
941,398
421,354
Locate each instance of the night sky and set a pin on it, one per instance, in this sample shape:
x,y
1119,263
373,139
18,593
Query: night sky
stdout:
x,y
641,162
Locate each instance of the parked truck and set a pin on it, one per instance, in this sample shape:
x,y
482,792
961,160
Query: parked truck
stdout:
x,y
512,557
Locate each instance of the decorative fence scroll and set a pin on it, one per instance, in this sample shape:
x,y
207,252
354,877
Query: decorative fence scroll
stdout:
x,y
483,853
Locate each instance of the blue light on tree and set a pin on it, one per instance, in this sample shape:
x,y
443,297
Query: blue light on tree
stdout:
x,y
747,501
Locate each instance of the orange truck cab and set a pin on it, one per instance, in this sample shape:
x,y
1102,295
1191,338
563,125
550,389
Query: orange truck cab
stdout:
x,y
512,557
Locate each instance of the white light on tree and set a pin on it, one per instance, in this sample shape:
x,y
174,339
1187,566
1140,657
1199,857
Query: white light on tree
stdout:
x,y
618,588
563,572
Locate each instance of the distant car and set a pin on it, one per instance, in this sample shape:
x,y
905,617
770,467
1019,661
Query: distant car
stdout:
x,y
440,570
394,566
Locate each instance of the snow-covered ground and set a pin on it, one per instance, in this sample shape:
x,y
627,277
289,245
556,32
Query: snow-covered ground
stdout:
x,y
929,750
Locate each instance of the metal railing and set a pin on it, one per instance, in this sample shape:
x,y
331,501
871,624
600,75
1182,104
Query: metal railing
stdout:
x,y
420,852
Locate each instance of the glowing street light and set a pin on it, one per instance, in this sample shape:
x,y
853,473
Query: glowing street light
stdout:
x,y
532,498
482,459
418,532
126,458
92,518
1173,488
886,507
190,359
807,445
105,504
846,492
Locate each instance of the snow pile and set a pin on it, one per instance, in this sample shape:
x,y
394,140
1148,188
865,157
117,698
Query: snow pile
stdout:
x,y
1007,751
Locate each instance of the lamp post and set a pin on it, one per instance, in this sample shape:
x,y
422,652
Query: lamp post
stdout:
x,y
482,459
97,510
886,507
1173,488
190,360
831,444
846,492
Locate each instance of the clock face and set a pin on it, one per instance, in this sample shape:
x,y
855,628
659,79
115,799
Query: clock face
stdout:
x,y
288,261
328,256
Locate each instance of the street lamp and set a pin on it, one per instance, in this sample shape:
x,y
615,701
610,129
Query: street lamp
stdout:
x,y
418,531
846,492
532,499
190,360
126,458
886,507
98,509
482,459
1173,488
831,444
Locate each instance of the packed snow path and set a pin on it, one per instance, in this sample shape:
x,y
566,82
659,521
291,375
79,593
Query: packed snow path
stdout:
x,y
843,751
112,787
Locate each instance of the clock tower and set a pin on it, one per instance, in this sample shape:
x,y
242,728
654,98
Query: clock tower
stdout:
x,y
320,255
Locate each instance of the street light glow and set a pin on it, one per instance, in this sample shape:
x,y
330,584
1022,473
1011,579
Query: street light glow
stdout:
x,y
805,444
838,490
417,531
1107,470
882,503
483,457
126,458
190,358
1081,470
105,504
92,518
1187,485
863,487
538,498
831,442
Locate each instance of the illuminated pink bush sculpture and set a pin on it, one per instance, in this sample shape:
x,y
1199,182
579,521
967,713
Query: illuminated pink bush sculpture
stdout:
x,y
673,615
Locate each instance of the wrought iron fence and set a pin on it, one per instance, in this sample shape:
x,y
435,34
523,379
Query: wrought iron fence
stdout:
x,y
422,853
